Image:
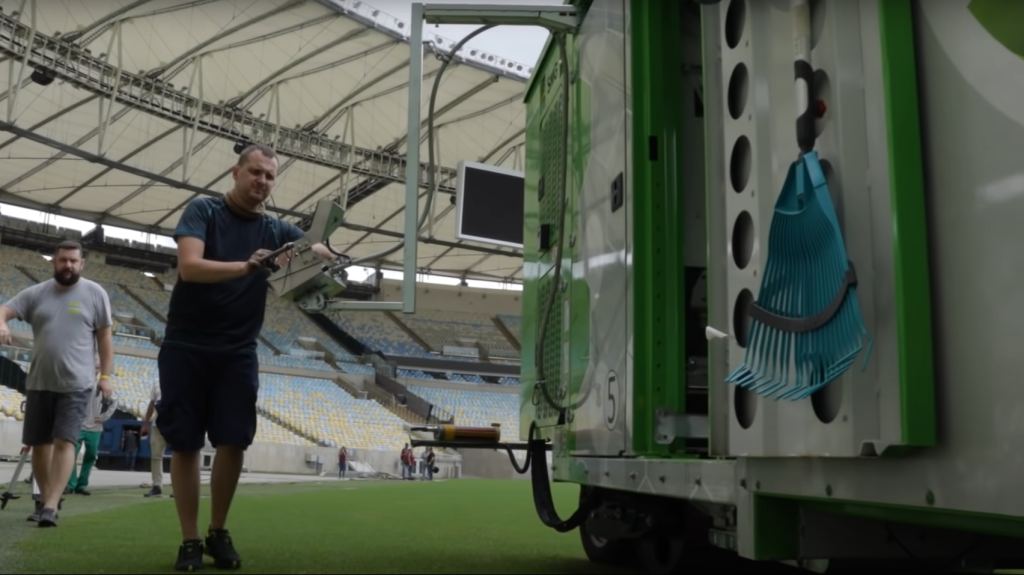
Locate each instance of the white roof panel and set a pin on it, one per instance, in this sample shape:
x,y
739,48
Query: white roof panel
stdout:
x,y
322,71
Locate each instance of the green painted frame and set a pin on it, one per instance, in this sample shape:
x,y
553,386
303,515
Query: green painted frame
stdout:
x,y
659,279
910,227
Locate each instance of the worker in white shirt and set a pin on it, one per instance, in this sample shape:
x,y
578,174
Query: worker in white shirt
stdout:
x,y
157,445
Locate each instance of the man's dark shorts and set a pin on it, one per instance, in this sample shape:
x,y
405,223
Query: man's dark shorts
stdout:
x,y
50,415
204,393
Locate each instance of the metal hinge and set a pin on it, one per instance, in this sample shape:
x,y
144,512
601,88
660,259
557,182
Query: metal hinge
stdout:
x,y
670,426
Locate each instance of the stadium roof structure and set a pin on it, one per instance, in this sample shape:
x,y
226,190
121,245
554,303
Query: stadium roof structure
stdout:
x,y
122,111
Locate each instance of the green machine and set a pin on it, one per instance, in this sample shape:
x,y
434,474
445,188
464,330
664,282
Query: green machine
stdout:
x,y
659,136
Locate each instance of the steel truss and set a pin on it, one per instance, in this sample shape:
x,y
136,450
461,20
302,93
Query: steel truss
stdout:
x,y
71,63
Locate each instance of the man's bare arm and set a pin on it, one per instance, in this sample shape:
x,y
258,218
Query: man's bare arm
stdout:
x,y
149,412
7,314
194,268
105,343
322,251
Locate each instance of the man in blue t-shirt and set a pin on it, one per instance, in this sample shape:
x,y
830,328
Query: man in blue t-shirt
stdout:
x,y
209,373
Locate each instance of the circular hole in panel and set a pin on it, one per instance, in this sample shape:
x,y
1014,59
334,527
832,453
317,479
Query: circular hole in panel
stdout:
x,y
739,164
823,94
735,20
742,240
739,83
741,317
818,9
828,401
744,404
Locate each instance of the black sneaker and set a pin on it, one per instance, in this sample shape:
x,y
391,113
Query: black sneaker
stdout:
x,y
82,491
156,491
222,550
48,517
190,556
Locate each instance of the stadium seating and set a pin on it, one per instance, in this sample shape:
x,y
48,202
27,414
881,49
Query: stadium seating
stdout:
x,y
513,323
269,431
284,325
317,408
449,329
321,409
472,407
12,281
376,331
10,404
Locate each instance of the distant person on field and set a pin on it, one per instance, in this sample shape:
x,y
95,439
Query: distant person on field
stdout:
x,y
130,446
209,371
403,459
100,410
157,444
342,462
430,464
71,323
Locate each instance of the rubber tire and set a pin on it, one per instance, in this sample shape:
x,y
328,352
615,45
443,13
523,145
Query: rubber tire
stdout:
x,y
661,553
613,553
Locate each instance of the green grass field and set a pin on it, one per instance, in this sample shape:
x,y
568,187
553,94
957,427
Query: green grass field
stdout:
x,y
465,526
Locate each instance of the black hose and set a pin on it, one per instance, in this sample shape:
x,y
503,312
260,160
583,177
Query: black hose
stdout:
x,y
430,144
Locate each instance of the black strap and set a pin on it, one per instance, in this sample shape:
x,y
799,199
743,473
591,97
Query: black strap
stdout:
x,y
806,324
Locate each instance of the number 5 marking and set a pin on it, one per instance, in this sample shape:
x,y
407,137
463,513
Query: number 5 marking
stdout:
x,y
611,406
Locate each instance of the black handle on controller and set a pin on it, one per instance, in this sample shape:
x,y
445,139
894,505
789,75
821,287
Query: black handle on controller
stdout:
x,y
268,260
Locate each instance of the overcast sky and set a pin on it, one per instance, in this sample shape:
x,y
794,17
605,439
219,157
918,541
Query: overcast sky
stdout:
x,y
519,43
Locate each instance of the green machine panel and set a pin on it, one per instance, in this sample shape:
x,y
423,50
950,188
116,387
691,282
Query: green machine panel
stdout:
x,y
919,129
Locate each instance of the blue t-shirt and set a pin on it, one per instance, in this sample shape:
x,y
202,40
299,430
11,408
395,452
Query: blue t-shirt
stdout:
x,y
225,316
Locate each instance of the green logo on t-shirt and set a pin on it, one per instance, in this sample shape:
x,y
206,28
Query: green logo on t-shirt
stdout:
x,y
73,308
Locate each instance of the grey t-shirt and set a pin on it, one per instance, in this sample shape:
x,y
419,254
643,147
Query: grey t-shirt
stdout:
x,y
64,323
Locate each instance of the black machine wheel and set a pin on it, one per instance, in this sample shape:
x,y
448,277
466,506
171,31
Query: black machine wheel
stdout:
x,y
661,552
611,552
601,550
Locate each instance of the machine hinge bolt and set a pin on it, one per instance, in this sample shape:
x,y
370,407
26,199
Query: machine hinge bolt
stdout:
x,y
662,479
633,475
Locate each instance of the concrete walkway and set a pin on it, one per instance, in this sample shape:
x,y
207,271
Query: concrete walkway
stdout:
x,y
103,478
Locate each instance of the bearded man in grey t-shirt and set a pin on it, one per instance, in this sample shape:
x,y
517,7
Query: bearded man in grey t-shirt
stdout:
x,y
71,324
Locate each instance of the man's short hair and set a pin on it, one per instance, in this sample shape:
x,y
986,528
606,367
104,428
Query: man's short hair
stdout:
x,y
70,246
253,148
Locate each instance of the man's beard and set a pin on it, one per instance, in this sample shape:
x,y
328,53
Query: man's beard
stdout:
x,y
66,279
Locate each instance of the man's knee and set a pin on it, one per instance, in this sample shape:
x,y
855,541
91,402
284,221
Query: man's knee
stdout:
x,y
63,446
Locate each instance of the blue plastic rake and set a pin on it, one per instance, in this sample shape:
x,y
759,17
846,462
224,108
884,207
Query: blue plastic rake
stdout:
x,y
806,327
